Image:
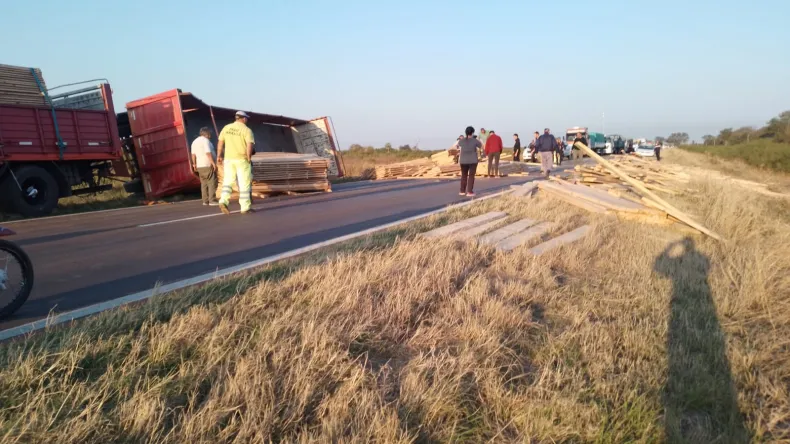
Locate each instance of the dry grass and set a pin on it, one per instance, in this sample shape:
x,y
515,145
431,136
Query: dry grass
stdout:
x,y
634,333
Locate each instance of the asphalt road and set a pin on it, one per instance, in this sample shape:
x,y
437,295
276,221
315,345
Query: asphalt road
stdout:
x,y
94,257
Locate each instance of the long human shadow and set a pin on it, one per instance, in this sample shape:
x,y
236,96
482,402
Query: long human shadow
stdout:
x,y
700,400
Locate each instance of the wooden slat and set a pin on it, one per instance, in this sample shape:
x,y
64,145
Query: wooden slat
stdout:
x,y
566,238
447,230
476,231
516,240
506,231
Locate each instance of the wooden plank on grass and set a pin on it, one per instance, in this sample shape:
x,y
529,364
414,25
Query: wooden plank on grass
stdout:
x,y
566,238
464,224
583,204
514,241
528,189
647,193
476,231
594,196
506,231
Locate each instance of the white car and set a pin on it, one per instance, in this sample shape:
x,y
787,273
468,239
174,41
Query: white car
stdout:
x,y
644,150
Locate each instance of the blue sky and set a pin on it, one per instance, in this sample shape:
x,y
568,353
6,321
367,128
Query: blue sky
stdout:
x,y
410,71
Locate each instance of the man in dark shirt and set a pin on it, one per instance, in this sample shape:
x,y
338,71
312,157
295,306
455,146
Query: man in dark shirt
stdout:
x,y
657,150
533,152
545,146
516,148
577,153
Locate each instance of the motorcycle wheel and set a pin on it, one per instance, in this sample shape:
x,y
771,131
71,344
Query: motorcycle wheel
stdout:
x,y
16,278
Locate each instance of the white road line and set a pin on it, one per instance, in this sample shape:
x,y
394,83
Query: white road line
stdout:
x,y
179,285
112,210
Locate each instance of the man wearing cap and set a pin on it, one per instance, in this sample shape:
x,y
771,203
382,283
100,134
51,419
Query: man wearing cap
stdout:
x,y
236,140
545,146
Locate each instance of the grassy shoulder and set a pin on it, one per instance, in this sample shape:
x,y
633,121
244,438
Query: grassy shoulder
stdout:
x,y
635,333
761,153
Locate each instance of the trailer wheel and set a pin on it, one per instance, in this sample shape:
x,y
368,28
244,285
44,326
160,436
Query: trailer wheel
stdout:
x,y
39,195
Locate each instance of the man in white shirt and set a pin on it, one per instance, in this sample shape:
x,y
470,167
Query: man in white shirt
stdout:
x,y
204,163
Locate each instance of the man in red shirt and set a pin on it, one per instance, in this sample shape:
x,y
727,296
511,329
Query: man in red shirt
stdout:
x,y
493,150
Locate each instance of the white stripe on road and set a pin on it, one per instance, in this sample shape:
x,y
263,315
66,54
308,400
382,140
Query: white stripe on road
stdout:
x,y
179,285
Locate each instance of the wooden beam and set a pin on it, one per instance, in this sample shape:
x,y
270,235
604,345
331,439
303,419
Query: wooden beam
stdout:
x,y
447,230
566,238
506,231
639,186
513,242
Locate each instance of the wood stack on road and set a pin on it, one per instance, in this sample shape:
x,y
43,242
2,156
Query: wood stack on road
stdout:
x,y
285,172
412,168
19,87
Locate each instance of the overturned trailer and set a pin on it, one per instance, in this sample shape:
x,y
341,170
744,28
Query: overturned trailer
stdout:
x,y
163,126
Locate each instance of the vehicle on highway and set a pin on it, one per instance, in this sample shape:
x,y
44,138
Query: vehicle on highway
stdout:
x,y
60,144
645,150
63,149
615,144
16,275
595,141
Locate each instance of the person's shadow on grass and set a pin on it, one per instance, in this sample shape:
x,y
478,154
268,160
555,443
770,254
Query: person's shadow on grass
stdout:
x,y
700,400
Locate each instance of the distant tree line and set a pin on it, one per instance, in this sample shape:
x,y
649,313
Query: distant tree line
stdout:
x,y
777,129
357,148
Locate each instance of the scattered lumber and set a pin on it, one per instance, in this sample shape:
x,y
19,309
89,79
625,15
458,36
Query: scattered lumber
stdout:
x,y
526,190
516,240
644,191
566,238
19,87
411,168
448,230
476,231
497,236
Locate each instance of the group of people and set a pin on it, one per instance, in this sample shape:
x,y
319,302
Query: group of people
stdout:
x,y
473,148
234,155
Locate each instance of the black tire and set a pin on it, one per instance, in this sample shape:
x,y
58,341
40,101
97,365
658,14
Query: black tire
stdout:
x,y
46,198
134,186
13,249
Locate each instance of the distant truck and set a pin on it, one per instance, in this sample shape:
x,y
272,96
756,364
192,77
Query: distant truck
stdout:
x,y
596,141
615,144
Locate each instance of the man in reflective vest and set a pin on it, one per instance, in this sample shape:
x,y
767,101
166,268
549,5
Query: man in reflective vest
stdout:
x,y
236,141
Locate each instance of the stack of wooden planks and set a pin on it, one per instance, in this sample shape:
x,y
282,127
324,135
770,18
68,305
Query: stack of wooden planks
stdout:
x,y
412,168
19,87
285,172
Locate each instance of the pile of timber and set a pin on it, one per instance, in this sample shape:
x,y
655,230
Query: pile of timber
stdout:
x,y
286,172
443,164
19,87
652,178
412,168
626,187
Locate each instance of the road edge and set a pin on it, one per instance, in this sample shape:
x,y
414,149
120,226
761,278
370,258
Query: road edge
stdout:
x,y
225,272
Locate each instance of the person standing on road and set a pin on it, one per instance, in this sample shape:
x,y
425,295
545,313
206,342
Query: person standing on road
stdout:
x,y
493,152
533,152
516,148
657,150
205,165
469,146
546,145
559,152
236,140
575,152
